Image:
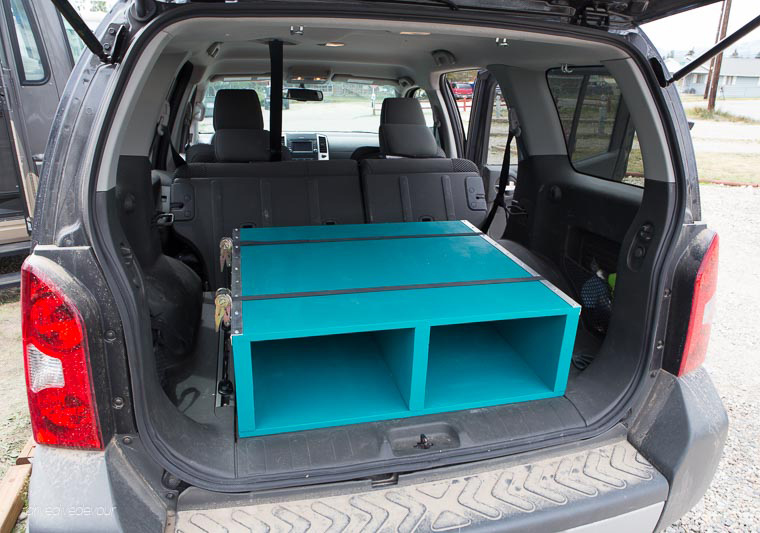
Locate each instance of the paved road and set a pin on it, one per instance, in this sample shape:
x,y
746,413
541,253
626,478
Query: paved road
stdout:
x,y
726,137
743,108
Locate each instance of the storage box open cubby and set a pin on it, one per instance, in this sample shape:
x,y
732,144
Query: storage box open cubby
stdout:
x,y
492,363
331,380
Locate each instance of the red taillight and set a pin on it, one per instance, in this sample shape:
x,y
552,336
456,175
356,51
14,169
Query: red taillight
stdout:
x,y
702,311
58,381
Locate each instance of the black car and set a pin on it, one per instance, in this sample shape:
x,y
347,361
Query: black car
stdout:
x,y
132,296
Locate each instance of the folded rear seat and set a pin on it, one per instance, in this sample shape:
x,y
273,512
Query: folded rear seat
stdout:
x,y
413,180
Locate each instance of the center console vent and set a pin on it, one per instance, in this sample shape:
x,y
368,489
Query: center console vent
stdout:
x,y
324,154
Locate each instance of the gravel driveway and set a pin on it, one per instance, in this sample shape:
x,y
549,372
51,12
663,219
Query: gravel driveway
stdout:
x,y
733,360
733,501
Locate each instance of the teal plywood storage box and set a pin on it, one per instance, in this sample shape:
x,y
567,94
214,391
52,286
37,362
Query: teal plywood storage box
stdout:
x,y
337,325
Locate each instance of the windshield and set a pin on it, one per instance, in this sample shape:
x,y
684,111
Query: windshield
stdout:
x,y
347,107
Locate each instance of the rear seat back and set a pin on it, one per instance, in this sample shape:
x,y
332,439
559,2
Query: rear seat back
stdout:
x,y
413,190
413,181
211,199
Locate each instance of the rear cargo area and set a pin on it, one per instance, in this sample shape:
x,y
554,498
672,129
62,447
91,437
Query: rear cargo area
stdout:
x,y
340,311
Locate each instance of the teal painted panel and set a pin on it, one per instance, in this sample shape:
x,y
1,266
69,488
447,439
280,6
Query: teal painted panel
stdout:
x,y
319,361
345,313
566,351
352,230
397,349
358,264
242,363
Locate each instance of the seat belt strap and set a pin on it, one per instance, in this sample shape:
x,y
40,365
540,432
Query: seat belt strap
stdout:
x,y
161,130
275,100
176,158
514,131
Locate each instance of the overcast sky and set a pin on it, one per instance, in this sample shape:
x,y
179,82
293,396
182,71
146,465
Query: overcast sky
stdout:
x,y
697,28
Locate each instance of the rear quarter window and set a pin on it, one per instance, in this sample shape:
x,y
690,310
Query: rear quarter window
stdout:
x,y
598,131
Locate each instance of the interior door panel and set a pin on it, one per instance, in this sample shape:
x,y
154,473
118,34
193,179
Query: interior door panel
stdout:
x,y
578,222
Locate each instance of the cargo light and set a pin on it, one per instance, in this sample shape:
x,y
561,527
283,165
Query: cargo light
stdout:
x,y
58,380
702,311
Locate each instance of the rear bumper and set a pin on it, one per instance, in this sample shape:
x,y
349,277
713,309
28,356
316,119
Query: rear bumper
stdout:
x,y
639,480
602,487
682,430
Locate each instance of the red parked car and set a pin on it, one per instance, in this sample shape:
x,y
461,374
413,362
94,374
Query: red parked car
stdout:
x,y
461,90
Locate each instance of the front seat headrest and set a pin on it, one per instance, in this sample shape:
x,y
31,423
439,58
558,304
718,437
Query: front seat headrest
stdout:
x,y
237,109
241,146
403,131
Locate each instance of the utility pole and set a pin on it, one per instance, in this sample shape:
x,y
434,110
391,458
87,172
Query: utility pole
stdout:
x,y
719,59
712,61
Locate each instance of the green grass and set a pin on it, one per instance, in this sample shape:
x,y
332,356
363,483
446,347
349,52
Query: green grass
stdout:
x,y
737,168
700,113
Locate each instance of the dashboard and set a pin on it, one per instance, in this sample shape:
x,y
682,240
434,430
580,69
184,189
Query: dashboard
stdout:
x,y
315,146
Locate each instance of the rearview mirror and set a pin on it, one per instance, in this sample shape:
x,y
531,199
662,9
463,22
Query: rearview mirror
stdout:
x,y
304,95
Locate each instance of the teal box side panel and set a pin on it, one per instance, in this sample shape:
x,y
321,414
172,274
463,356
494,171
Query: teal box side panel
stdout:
x,y
241,355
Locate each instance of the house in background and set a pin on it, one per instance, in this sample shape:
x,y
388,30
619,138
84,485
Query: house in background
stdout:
x,y
739,76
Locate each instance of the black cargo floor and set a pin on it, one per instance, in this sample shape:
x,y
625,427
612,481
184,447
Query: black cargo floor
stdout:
x,y
332,449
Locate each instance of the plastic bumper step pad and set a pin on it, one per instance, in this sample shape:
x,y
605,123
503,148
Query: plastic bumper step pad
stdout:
x,y
548,494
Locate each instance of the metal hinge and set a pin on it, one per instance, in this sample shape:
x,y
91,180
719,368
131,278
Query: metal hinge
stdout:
x,y
592,16
111,49
114,42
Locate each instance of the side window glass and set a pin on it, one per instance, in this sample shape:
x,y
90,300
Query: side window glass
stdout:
x,y
498,131
595,124
427,109
634,170
462,83
597,119
75,41
29,59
